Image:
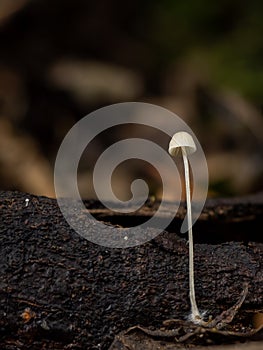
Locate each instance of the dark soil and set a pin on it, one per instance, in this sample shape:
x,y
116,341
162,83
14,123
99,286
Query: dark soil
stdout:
x,y
60,291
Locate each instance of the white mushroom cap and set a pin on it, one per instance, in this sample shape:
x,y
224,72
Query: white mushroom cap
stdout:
x,y
179,140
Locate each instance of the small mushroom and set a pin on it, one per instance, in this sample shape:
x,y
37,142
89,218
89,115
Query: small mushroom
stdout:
x,y
182,141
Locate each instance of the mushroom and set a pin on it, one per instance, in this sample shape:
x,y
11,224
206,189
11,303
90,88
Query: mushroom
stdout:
x,y
182,141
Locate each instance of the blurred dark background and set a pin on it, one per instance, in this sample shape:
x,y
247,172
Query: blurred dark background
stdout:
x,y
60,60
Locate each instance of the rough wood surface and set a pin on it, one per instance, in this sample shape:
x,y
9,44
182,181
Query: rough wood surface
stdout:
x,y
58,290
222,219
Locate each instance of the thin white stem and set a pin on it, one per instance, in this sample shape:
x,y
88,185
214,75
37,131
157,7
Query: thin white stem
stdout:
x,y
195,312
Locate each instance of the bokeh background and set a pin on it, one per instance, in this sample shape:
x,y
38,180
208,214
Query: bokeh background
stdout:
x,y
60,60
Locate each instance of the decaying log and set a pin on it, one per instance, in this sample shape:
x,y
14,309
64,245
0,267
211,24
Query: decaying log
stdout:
x,y
222,219
58,290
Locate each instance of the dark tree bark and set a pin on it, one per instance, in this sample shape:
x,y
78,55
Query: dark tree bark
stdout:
x,y
58,290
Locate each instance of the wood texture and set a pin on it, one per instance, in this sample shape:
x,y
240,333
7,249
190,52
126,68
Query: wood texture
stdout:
x,y
58,290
